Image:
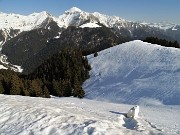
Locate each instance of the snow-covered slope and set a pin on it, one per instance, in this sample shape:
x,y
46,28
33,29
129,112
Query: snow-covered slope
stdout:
x,y
71,116
135,72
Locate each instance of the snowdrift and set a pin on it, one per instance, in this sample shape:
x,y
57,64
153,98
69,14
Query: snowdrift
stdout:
x,y
135,72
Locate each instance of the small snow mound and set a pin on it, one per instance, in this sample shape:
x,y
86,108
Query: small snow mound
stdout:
x,y
90,25
2,67
133,112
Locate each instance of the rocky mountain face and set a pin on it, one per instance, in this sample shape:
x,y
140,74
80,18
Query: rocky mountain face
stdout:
x,y
28,43
29,40
7,34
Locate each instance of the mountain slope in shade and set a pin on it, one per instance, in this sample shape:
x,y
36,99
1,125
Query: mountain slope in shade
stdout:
x,y
135,72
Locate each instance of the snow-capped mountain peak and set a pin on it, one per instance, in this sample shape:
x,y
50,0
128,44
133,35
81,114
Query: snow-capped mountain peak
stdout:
x,y
21,22
41,14
77,17
72,17
73,10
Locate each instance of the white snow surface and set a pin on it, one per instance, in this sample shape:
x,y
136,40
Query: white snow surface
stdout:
x,y
135,72
24,23
21,115
3,67
90,25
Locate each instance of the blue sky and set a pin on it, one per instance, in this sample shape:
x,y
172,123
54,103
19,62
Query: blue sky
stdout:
x,y
132,10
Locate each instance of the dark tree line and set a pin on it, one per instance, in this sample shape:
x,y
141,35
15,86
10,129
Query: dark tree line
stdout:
x,y
162,42
61,75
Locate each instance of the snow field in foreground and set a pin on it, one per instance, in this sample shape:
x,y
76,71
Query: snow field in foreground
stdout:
x,y
61,116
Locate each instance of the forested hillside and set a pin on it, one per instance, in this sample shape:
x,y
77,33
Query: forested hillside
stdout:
x,y
61,75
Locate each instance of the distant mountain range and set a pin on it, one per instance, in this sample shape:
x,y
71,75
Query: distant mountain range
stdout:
x,y
29,40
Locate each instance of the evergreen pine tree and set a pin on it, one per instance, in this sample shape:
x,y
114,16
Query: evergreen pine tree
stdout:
x,y
67,91
46,92
1,88
15,87
35,88
95,54
56,88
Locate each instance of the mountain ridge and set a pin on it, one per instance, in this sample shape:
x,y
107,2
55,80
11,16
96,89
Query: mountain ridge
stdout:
x,y
77,17
75,10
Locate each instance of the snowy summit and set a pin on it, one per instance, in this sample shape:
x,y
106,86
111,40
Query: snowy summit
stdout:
x,y
73,10
23,23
